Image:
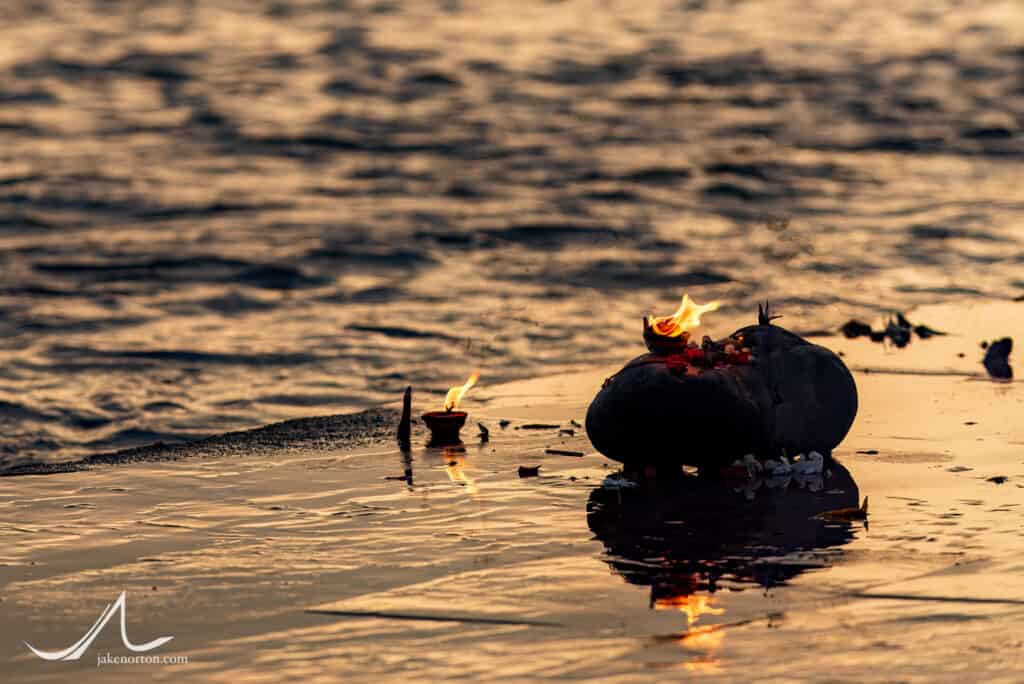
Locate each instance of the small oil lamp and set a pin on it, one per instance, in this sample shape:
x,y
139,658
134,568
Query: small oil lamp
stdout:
x,y
445,425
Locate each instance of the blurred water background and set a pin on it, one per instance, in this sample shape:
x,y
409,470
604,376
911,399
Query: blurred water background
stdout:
x,y
217,214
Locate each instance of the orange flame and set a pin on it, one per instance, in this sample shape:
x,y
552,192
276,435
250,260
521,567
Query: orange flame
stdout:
x,y
455,394
687,316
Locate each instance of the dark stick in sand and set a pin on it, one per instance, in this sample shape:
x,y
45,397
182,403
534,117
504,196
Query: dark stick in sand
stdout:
x,y
405,424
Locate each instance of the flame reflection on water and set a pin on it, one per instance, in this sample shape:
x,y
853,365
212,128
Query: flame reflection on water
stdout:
x,y
455,462
693,606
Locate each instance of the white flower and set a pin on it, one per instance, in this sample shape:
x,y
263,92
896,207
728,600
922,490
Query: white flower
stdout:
x,y
811,464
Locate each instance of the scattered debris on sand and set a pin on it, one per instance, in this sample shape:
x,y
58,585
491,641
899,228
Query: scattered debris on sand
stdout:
x,y
529,471
997,479
898,330
485,434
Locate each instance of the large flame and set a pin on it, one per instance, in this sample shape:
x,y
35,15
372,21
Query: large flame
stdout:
x,y
687,316
455,394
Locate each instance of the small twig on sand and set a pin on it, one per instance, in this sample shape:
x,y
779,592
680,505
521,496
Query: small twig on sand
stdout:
x,y
562,452
405,424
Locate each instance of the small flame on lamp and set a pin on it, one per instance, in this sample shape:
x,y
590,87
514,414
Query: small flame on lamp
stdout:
x,y
687,316
455,394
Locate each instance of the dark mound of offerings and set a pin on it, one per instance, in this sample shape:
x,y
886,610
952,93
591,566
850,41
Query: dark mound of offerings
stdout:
x,y
762,391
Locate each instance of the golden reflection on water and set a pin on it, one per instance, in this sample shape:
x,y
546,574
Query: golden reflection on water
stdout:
x,y
705,640
703,665
693,605
455,461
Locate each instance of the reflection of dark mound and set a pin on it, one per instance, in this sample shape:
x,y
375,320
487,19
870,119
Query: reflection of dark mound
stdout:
x,y
689,533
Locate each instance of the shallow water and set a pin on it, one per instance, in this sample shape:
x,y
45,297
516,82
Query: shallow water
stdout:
x,y
219,214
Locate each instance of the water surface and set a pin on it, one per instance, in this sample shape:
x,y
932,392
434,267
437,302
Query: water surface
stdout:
x,y
219,214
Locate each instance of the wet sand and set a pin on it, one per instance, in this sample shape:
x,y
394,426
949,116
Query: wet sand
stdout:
x,y
317,433
294,557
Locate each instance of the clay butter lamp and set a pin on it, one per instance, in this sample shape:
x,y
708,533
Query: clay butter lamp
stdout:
x,y
445,425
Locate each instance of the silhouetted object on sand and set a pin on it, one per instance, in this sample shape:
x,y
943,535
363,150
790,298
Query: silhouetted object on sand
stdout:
x,y
853,329
791,395
897,330
529,471
405,424
997,359
702,532
924,332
